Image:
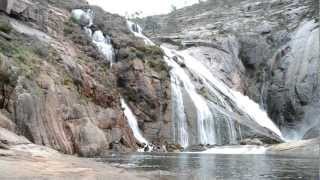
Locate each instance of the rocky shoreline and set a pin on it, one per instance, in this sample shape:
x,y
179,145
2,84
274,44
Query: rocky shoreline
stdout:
x,y
29,161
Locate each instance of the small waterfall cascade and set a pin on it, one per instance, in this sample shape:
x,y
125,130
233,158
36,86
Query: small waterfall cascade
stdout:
x,y
103,42
212,115
133,123
137,31
104,45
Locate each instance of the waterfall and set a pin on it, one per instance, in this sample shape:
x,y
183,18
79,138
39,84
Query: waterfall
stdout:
x,y
137,31
204,116
103,42
211,114
179,113
252,109
104,45
133,123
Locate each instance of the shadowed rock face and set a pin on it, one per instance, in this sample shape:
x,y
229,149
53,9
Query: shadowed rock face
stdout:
x,y
282,80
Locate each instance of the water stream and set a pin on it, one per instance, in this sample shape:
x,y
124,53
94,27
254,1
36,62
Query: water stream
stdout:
x,y
187,74
102,42
133,123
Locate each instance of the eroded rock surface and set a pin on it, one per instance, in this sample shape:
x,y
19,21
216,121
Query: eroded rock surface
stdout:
x,y
260,56
58,91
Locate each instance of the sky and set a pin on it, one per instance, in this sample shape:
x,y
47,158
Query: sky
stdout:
x,y
147,7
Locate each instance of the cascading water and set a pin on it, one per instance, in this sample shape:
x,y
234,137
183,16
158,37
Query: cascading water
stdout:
x,y
104,45
102,42
133,123
181,125
209,113
244,103
137,31
132,120
204,116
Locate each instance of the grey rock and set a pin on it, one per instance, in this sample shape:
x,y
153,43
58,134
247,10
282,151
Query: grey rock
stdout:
x,y
274,75
251,142
313,132
90,140
10,139
6,123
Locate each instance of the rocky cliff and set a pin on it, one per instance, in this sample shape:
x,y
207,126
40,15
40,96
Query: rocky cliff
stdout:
x,y
269,50
57,90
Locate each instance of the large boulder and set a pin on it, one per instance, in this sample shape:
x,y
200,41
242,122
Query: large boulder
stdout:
x,y
89,140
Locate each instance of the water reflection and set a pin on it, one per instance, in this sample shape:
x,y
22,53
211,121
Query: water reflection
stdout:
x,y
184,166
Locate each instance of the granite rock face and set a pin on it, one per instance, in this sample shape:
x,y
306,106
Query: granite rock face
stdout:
x,y
263,59
57,91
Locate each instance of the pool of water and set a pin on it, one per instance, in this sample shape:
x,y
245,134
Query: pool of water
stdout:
x,y
185,166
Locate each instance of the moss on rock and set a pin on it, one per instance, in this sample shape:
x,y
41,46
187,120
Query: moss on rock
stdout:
x,y
5,26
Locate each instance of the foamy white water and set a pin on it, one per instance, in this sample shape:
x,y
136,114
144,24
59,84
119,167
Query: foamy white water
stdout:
x,y
246,149
243,102
103,42
133,123
137,31
104,45
180,128
206,128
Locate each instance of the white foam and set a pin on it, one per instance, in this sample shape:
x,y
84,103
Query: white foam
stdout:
x,y
245,149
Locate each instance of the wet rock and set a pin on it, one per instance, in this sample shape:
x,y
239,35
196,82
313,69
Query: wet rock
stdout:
x,y
268,72
251,142
303,148
174,148
313,132
197,148
148,97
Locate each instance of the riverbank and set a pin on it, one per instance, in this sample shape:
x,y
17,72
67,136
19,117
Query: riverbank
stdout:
x,y
38,162
29,161
303,148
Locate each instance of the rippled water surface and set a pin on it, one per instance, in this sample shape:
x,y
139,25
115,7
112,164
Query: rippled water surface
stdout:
x,y
186,166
